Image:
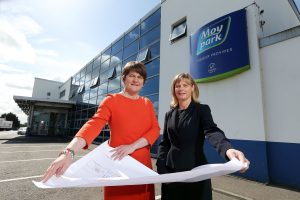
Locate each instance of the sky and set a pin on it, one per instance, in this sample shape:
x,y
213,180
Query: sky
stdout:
x,y
54,39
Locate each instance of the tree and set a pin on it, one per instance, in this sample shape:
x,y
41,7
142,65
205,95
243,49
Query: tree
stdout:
x,y
12,117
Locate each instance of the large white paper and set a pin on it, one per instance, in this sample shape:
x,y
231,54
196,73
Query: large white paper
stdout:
x,y
98,169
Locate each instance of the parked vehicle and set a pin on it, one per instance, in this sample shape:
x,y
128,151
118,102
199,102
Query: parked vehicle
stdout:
x,y
22,131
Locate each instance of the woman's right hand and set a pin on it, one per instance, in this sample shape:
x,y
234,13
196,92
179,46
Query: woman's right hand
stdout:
x,y
58,167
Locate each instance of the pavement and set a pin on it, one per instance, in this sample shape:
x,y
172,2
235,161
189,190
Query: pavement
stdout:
x,y
24,159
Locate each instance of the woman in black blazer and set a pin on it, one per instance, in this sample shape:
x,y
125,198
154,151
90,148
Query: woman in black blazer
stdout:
x,y
186,126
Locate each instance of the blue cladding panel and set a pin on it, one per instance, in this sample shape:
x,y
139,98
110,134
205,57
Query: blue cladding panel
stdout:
x,y
284,163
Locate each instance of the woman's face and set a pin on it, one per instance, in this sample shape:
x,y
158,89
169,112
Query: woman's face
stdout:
x,y
183,90
133,82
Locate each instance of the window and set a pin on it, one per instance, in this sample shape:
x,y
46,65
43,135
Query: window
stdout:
x,y
150,22
62,93
143,56
80,89
150,37
94,82
178,30
117,46
113,74
296,7
131,36
48,94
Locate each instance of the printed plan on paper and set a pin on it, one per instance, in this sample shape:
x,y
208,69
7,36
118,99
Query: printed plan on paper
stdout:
x,y
98,169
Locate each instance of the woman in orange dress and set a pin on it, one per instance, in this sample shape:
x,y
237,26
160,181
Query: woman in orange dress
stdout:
x,y
133,129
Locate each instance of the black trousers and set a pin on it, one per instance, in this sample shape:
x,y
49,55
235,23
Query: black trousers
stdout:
x,y
187,191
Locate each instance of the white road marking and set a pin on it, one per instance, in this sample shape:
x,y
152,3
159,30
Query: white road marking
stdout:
x,y
27,151
24,146
38,159
22,178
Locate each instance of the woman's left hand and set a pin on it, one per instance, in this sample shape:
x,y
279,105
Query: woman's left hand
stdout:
x,y
233,153
122,151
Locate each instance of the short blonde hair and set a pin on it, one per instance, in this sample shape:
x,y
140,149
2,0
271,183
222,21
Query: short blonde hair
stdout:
x,y
184,77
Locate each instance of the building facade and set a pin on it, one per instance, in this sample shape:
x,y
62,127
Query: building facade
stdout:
x,y
256,108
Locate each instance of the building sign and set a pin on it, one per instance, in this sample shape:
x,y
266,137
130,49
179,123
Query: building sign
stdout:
x,y
220,48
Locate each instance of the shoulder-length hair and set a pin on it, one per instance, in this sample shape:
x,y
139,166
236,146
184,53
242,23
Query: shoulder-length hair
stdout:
x,y
188,79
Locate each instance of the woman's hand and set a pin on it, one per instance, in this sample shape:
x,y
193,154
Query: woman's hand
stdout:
x,y
122,151
58,167
233,153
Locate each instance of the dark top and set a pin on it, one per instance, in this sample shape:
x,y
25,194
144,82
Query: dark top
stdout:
x,y
184,132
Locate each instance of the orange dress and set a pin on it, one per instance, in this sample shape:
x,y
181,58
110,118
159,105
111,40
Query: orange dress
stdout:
x,y
129,120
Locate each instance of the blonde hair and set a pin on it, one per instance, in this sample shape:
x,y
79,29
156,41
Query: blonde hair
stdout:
x,y
184,77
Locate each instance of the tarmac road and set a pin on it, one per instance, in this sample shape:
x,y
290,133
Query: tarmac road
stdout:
x,y
23,159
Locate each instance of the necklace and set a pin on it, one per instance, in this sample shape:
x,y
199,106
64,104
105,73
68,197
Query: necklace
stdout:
x,y
129,96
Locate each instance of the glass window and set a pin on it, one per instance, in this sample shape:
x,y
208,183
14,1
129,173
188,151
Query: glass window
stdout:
x,y
94,82
117,46
93,102
154,100
88,77
116,59
118,69
82,72
89,67
100,99
178,30
107,74
97,61
102,89
153,67
96,72
92,111
155,50
114,84
131,49
62,93
143,55
80,89
113,75
150,22
132,35
151,86
150,37
105,55
131,58
105,65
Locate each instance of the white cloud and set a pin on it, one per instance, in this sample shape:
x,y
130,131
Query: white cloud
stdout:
x,y
14,82
14,45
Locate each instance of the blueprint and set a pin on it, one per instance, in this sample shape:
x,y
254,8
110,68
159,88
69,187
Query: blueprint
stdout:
x,y
98,169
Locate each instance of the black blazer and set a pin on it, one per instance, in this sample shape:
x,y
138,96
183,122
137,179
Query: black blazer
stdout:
x,y
184,132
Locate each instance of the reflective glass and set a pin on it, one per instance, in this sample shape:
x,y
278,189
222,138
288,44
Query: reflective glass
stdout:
x,y
155,50
105,65
154,100
105,75
97,62
114,84
89,67
131,36
150,22
82,72
153,67
150,37
131,49
102,89
93,102
96,72
88,77
178,31
151,86
105,55
100,99
116,59
93,92
117,46
131,58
